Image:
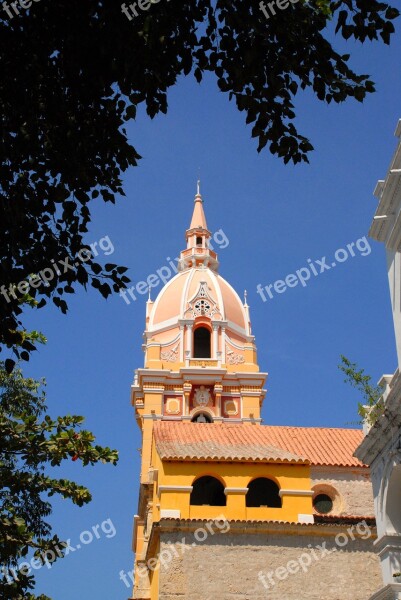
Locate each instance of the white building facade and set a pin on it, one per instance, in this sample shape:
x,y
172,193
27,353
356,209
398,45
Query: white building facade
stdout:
x,y
381,447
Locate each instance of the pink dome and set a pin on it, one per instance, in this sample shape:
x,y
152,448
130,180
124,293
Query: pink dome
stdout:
x,y
198,291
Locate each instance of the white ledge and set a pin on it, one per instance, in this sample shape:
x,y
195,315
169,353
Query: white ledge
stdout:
x,y
295,493
174,488
167,513
235,490
305,518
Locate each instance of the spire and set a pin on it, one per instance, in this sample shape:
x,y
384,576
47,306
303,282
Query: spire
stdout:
x,y
149,304
198,252
248,317
198,216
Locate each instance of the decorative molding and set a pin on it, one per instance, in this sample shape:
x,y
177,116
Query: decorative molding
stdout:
x,y
233,358
197,410
202,396
230,407
150,385
170,355
173,405
202,303
173,388
204,362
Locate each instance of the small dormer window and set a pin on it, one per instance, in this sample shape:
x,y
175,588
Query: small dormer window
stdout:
x,y
202,418
199,241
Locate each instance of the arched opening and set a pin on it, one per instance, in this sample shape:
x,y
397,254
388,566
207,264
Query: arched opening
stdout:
x,y
201,343
393,502
208,490
202,418
199,241
263,492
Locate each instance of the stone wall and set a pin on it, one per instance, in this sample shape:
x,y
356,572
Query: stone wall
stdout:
x,y
354,489
307,564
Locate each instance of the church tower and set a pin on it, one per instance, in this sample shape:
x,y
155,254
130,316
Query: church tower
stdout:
x,y
225,501
200,355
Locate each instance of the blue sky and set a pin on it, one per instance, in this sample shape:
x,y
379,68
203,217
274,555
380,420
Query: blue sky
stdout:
x,y
276,217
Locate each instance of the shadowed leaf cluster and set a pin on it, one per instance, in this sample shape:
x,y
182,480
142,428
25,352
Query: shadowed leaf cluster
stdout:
x,y
31,442
72,73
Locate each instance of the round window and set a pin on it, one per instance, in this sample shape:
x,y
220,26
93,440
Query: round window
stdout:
x,y
202,307
323,504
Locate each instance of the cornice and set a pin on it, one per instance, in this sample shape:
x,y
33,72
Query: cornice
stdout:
x,y
382,432
386,224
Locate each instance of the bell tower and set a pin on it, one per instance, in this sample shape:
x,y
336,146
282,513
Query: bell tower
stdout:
x,y
200,354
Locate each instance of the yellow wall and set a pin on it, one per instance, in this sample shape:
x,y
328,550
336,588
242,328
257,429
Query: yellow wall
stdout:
x,y
232,475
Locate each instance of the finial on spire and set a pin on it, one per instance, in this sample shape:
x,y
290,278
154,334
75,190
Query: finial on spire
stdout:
x,y
198,188
149,298
245,297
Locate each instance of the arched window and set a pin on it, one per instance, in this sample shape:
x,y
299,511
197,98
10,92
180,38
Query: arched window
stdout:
x,y
208,490
201,343
199,241
202,418
263,492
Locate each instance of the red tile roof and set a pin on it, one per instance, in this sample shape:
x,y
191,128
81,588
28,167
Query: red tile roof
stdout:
x,y
344,519
226,441
318,521
218,441
321,445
